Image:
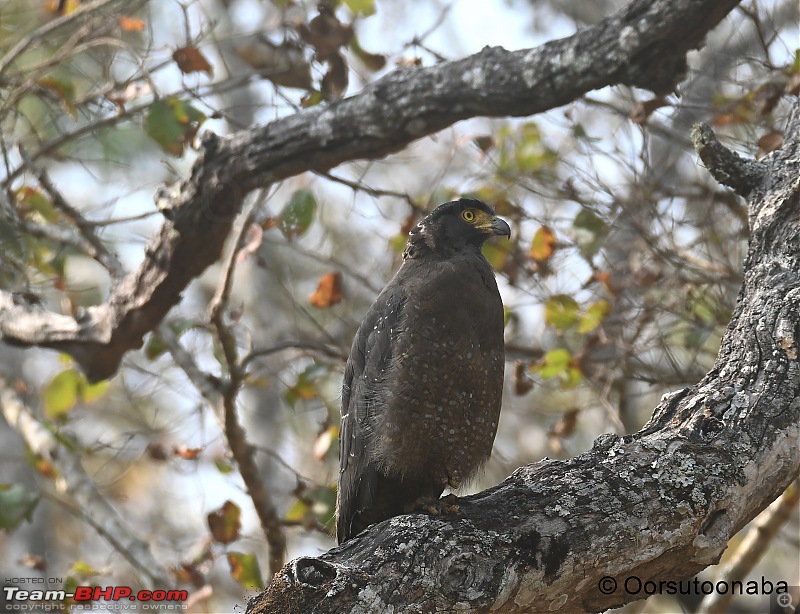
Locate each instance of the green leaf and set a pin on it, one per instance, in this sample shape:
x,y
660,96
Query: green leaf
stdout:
x,y
318,506
155,345
572,377
32,201
83,568
71,583
225,522
508,313
298,214
91,392
795,66
362,8
223,467
219,354
16,505
595,314
497,254
695,337
312,99
398,243
297,512
172,123
532,158
580,133
62,393
561,312
65,90
245,569
559,363
305,387
324,507
590,231
587,220
554,363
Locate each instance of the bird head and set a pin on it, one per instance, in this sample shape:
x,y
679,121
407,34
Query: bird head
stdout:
x,y
456,225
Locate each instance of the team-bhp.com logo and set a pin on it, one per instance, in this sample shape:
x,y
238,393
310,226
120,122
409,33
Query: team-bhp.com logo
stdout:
x,y
94,593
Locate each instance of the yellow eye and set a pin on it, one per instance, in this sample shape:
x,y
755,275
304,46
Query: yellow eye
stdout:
x,y
469,215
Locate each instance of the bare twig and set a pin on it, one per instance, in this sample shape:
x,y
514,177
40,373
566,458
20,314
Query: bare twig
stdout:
x,y
95,247
208,386
237,439
314,346
48,29
330,260
358,186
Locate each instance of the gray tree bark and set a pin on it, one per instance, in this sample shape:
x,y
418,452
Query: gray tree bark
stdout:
x,y
644,44
562,536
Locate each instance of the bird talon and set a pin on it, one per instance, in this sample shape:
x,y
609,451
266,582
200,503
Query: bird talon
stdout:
x,y
449,504
436,507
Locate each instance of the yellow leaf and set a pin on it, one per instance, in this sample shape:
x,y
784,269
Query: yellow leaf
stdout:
x,y
595,314
543,244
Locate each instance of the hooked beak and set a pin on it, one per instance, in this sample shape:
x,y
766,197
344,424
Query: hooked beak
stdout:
x,y
500,227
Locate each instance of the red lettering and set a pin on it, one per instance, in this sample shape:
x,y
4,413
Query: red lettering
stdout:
x,y
120,592
83,593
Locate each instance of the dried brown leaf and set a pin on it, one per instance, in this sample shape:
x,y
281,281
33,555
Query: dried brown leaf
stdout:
x,y
329,291
326,33
769,142
187,453
334,83
131,24
190,59
225,522
643,110
283,64
522,381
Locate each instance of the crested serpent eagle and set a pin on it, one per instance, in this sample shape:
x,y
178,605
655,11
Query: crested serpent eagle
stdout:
x,y
423,384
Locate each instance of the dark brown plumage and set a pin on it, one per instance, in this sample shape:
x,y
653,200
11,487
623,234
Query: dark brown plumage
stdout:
x,y
423,384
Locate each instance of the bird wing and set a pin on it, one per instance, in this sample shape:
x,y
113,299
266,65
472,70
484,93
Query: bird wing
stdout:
x,y
363,397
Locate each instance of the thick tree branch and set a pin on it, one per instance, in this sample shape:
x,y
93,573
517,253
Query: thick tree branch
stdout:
x,y
726,166
764,530
659,505
644,44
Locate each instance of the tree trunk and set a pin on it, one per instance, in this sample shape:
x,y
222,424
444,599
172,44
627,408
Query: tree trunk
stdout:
x,y
658,505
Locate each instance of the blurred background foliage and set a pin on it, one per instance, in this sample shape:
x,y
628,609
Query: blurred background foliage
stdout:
x,y
618,281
